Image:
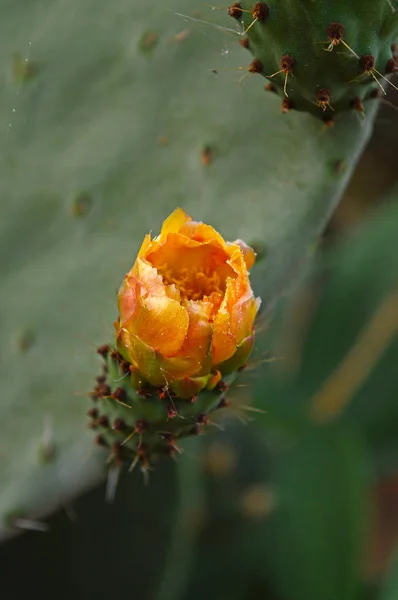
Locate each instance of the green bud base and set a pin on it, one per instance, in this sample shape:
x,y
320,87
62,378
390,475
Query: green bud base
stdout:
x,y
139,422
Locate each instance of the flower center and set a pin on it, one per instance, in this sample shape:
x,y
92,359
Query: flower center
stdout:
x,y
197,272
193,283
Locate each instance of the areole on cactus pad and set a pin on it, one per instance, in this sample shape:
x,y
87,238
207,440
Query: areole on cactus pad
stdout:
x,y
185,328
321,57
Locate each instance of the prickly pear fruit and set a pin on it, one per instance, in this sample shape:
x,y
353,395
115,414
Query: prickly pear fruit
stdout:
x,y
322,57
185,328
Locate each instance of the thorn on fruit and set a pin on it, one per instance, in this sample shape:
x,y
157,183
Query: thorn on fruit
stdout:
x,y
235,10
103,421
140,425
224,403
93,413
335,32
103,390
256,66
270,87
222,386
120,394
367,62
260,11
357,104
244,42
100,379
103,350
287,105
287,64
392,66
195,430
171,411
202,419
100,441
116,448
376,93
124,366
119,425
323,97
142,448
143,393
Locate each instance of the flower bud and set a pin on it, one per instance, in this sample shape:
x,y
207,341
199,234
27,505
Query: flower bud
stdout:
x,y
186,308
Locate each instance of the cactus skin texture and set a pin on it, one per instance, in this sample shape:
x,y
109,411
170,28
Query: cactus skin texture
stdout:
x,y
321,57
139,422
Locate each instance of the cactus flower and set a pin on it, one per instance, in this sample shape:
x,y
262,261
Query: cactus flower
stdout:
x,y
186,308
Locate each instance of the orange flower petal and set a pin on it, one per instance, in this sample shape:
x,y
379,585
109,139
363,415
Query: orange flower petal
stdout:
x,y
197,344
161,323
127,298
224,341
200,232
243,315
174,223
248,253
187,306
196,269
146,244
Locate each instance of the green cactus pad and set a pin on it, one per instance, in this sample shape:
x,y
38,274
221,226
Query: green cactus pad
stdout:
x,y
105,141
321,57
138,422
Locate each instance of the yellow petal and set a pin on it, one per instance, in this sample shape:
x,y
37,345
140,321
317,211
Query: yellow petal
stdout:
x,y
200,232
248,253
146,244
197,344
162,323
197,269
224,341
243,315
174,223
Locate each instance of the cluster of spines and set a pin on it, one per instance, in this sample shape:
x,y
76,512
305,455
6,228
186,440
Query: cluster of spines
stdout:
x,y
136,440
335,32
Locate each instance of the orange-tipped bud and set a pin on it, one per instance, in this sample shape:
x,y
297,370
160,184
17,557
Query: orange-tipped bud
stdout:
x,y
186,308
